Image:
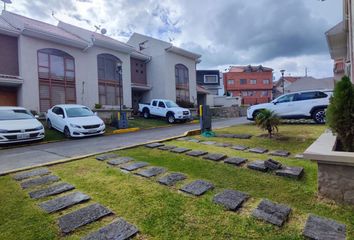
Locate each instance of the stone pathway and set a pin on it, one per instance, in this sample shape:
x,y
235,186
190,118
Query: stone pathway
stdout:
x,y
324,229
51,190
235,161
271,212
196,153
61,203
180,150
134,166
39,181
230,199
215,156
106,156
197,188
151,172
154,145
171,179
120,160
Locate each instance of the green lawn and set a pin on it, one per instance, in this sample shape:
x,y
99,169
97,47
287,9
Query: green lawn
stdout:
x,y
162,212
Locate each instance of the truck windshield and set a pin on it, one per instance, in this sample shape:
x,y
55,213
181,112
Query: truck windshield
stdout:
x,y
171,104
15,114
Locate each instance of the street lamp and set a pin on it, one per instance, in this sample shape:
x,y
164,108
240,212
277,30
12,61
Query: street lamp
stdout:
x,y
282,79
120,82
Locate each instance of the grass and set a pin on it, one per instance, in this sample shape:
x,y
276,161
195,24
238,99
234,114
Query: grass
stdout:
x,y
164,213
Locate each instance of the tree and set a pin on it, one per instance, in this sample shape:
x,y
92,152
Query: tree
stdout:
x,y
268,120
340,113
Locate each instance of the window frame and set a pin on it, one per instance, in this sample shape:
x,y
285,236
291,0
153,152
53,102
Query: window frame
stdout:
x,y
182,87
253,81
211,75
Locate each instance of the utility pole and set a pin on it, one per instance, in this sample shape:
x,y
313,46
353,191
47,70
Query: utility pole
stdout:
x,y
282,79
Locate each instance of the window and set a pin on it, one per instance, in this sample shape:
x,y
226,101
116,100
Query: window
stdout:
x,y
154,103
264,94
311,95
286,98
243,81
56,73
230,82
109,70
182,83
211,79
161,105
253,81
266,81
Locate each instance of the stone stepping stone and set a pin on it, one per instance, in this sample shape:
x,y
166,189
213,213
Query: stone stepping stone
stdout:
x,y
180,150
151,172
272,164
197,188
171,179
81,217
66,201
36,172
242,136
324,229
134,166
196,153
223,144
106,156
39,181
193,140
166,147
299,156
258,150
154,145
230,199
271,212
224,135
215,156
258,165
208,143
280,153
291,172
237,161
51,190
183,139
120,160
239,147
117,230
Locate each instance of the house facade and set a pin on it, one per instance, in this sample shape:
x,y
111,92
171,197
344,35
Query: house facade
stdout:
x,y
253,83
210,80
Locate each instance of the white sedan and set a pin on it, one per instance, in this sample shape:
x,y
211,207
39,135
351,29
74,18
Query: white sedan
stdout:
x,y
17,124
75,121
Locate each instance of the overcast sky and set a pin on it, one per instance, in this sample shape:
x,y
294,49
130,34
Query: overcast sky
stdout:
x,y
281,34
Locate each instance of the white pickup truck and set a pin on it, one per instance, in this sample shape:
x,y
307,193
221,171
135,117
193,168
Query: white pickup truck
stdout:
x,y
165,108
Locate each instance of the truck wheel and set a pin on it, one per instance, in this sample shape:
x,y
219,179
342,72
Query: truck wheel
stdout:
x,y
319,116
171,118
146,113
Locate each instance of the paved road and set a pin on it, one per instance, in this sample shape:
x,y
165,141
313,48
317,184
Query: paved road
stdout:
x,y
21,157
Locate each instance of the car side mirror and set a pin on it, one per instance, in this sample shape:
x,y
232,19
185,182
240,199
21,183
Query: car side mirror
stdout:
x,y
61,115
95,113
36,116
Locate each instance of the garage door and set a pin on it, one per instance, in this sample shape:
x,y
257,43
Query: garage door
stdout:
x,y
8,96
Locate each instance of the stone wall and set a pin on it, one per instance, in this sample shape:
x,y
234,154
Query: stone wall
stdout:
x,y
228,112
336,182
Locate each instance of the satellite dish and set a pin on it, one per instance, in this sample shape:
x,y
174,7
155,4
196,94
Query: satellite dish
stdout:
x,y
103,31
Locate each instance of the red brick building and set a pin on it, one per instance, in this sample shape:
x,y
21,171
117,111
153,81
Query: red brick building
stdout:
x,y
253,83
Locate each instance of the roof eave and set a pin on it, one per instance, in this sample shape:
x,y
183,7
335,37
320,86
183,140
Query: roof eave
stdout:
x,y
184,53
116,47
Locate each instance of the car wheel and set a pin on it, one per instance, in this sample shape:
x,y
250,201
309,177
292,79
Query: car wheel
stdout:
x,y
319,116
49,124
171,118
146,114
67,132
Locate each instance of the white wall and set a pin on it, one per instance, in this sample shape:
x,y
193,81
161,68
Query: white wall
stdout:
x,y
85,70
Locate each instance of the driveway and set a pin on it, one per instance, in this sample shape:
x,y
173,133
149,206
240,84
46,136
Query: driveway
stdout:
x,y
11,159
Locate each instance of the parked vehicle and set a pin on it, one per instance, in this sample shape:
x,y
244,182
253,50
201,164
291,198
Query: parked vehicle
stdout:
x,y
297,105
166,109
75,121
17,124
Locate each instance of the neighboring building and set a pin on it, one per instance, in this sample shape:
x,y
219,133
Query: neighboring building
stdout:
x,y
278,85
210,80
253,83
310,83
171,72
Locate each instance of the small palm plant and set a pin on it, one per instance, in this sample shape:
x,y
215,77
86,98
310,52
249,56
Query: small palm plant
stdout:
x,y
268,120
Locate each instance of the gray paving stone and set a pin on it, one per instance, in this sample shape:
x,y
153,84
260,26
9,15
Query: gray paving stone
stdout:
x,y
51,190
39,181
208,143
134,166
81,217
224,135
167,147
154,145
180,150
280,153
242,136
299,156
196,153
215,156
120,160
183,139
151,172
63,202
223,144
271,212
257,165
197,188
106,156
291,172
171,179
193,140
272,164
117,230
319,228
36,172
258,150
230,199
239,147
237,161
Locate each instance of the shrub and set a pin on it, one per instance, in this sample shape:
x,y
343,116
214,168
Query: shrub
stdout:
x,y
340,113
98,106
185,104
268,120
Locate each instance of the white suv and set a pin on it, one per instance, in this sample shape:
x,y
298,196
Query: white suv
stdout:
x,y
297,105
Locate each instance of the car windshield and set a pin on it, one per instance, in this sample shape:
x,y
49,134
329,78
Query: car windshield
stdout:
x,y
78,112
171,104
15,114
